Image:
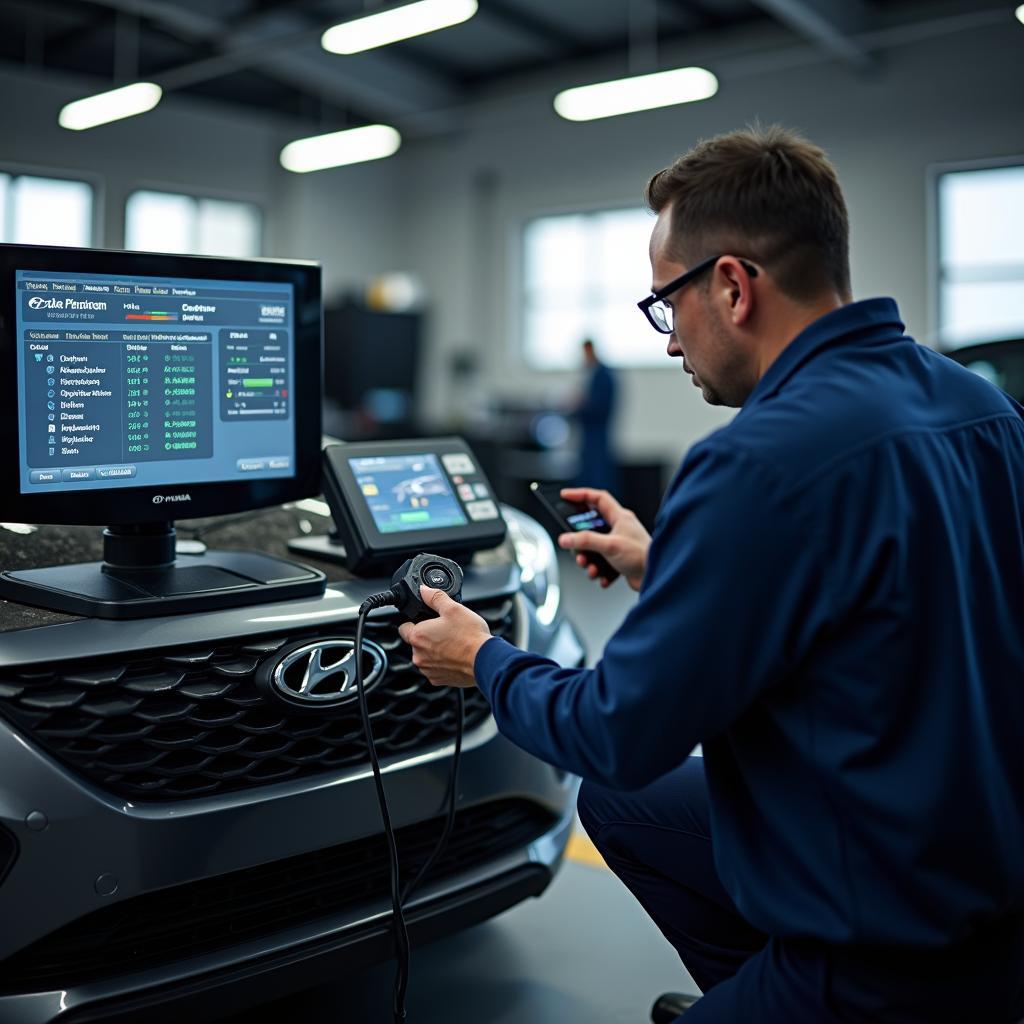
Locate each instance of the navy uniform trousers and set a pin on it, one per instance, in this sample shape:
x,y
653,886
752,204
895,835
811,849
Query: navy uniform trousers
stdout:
x,y
658,841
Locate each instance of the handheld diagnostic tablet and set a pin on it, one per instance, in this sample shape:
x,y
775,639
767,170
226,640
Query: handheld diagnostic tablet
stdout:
x,y
392,499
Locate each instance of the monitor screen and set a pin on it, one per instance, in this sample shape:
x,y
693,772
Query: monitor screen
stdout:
x,y
407,492
141,388
146,381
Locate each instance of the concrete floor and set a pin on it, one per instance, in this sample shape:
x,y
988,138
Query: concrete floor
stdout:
x,y
583,952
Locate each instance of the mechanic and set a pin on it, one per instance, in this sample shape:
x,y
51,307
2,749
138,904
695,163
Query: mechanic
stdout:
x,y
595,413
831,604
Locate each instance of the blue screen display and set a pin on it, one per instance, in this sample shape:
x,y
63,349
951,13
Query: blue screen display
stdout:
x,y
407,492
146,381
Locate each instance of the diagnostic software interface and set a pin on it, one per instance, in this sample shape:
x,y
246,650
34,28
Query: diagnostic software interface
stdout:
x,y
145,381
407,492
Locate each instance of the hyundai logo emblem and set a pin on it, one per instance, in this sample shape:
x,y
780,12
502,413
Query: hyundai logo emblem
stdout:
x,y
320,675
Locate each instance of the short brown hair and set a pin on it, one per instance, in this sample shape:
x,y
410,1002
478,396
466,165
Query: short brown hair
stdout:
x,y
764,193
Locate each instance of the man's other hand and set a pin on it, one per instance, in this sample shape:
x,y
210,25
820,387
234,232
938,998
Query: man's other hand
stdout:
x,y
444,649
625,547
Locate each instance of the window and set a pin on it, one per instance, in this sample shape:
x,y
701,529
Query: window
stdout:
x,y
45,211
583,276
981,255
167,222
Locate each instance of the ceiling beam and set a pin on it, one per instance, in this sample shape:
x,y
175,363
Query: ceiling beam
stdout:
x,y
283,46
69,38
563,41
700,13
829,24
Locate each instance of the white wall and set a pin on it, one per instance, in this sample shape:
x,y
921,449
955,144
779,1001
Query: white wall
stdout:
x,y
451,208
179,145
951,98
345,219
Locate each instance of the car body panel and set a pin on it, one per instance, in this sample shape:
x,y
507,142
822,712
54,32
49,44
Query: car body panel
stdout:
x,y
97,848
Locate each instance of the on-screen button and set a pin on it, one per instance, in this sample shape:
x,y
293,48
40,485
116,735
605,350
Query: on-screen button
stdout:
x,y
112,472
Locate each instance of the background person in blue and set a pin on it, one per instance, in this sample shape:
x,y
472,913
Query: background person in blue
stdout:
x,y
832,603
594,413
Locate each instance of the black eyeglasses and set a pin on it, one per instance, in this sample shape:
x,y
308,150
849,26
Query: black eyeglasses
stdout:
x,y
659,313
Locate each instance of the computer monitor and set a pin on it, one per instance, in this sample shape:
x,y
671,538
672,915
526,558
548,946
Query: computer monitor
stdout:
x,y
145,387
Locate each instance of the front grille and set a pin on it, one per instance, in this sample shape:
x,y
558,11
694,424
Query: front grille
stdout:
x,y
188,721
216,913
8,852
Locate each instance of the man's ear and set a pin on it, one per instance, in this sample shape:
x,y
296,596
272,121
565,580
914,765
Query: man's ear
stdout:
x,y
736,288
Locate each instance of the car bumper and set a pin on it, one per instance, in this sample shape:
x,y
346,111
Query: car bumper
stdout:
x,y
244,976
167,847
97,850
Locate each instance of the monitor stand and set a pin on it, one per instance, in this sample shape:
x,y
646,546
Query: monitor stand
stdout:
x,y
141,576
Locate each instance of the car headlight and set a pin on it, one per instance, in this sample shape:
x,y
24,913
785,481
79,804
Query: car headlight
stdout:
x,y
538,563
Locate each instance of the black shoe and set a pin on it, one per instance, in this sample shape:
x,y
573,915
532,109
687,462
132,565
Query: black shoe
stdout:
x,y
670,1007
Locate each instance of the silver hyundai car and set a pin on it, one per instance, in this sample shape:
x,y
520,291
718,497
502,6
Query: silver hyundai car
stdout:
x,y
171,843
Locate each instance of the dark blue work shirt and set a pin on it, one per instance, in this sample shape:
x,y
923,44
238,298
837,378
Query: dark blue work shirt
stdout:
x,y
834,605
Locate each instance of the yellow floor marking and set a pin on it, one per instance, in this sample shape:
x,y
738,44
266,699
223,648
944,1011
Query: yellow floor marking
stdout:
x,y
583,851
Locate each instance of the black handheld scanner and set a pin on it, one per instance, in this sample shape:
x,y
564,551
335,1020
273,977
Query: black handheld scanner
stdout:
x,y
433,570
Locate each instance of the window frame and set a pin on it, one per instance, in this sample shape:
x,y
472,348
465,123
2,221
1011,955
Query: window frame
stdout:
x,y
519,289
197,196
935,173
14,169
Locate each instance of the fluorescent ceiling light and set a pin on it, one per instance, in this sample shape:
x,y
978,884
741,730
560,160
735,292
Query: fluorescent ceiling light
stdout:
x,y
643,92
1020,14
127,101
390,26
374,142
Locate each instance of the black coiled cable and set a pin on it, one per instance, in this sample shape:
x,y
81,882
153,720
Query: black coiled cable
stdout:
x,y
451,797
398,895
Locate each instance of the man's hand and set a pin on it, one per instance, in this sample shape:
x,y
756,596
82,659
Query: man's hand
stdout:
x,y
625,547
445,649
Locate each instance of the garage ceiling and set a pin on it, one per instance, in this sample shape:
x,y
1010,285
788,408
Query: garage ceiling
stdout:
x,y
265,54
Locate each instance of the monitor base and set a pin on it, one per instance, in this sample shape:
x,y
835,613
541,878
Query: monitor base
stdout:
x,y
191,583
